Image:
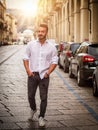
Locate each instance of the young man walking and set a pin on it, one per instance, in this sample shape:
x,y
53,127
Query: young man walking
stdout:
x,y
39,61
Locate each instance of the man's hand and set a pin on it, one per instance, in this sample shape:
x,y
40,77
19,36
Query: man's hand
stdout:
x,y
29,73
51,68
46,75
26,65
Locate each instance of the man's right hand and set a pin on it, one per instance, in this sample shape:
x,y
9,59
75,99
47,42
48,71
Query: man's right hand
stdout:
x,y
26,65
29,73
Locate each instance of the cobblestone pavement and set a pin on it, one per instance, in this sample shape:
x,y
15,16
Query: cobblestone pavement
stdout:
x,y
69,107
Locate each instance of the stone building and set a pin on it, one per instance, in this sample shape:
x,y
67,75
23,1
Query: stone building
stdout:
x,y
69,20
2,13
10,32
8,25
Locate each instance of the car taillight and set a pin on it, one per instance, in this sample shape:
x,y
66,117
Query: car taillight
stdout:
x,y
68,53
88,58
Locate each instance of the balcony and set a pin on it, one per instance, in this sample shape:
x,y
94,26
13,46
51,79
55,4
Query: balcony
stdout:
x,y
58,5
46,17
50,11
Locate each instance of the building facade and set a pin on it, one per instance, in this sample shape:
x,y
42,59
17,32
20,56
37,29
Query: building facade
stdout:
x,y
69,20
8,26
10,31
2,21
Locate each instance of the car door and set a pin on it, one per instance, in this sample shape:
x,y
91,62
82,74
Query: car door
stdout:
x,y
63,55
76,60
74,64
97,75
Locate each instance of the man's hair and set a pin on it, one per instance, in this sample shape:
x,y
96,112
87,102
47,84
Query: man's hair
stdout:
x,y
44,25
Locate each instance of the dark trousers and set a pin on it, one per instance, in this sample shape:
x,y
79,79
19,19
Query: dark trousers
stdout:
x,y
33,83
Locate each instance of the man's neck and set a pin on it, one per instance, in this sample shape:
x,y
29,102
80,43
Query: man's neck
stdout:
x,y
42,41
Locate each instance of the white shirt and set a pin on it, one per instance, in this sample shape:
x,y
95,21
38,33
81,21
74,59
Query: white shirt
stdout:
x,y
40,56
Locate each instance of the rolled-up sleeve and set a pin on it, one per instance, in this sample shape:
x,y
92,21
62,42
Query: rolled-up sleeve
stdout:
x,y
54,59
27,53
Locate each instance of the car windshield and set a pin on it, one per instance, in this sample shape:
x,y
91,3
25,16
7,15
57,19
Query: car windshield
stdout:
x,y
93,50
74,47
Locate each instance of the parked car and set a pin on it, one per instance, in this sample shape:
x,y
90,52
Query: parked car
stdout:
x,y
64,57
56,45
61,47
95,82
83,63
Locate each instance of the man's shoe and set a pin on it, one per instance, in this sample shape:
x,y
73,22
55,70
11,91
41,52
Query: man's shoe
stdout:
x,y
32,114
41,122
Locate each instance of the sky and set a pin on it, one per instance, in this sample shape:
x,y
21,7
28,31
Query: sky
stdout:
x,y
28,7
18,4
27,13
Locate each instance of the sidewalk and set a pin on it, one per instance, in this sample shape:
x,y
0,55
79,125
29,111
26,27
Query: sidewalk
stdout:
x,y
64,111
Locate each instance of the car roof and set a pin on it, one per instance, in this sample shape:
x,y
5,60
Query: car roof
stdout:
x,y
73,43
89,44
94,45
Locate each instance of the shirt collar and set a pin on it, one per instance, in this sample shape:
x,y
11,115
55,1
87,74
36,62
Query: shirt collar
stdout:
x,y
45,41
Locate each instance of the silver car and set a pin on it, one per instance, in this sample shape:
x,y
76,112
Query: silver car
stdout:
x,y
95,82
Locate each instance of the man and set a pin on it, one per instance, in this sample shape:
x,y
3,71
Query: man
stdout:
x,y
39,61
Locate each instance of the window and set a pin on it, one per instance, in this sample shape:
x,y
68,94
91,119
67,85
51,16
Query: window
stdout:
x,y
93,50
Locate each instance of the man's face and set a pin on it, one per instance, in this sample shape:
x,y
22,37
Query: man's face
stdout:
x,y
42,32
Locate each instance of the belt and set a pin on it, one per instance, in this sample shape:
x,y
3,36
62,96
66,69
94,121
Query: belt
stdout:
x,y
36,73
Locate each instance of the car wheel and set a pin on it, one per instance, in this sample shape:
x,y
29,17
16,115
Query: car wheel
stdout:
x,y
79,80
70,72
95,90
65,69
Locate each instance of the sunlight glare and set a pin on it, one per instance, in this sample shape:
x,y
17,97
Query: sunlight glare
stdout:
x,y
29,9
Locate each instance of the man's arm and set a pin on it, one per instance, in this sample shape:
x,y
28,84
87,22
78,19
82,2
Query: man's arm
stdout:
x,y
54,62
26,65
50,70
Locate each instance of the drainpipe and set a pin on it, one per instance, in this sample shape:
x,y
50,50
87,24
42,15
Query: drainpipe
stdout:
x,y
90,16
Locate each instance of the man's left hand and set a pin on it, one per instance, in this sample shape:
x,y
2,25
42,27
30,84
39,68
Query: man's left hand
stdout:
x,y
46,75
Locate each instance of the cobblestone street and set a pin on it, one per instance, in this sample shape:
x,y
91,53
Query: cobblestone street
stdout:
x,y
69,107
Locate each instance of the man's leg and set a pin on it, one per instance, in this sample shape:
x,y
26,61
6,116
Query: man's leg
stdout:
x,y
32,87
43,87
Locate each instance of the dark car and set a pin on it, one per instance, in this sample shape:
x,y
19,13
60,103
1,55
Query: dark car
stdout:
x,y
64,57
83,63
95,82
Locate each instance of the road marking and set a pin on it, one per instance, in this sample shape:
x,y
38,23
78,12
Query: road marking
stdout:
x,y
89,109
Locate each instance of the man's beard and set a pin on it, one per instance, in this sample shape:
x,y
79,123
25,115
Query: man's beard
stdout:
x,y
41,37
